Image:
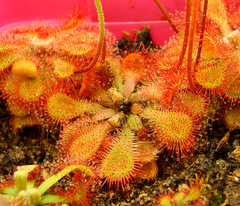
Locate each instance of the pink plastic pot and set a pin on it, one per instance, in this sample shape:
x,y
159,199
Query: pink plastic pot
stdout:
x,y
124,15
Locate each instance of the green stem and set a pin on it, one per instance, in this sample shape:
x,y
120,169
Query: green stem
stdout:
x,y
166,15
191,43
51,199
52,180
101,38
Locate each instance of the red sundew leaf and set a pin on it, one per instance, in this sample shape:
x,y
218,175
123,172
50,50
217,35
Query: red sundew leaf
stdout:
x,y
95,81
119,162
81,140
174,130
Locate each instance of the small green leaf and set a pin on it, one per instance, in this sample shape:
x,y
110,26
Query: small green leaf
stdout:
x,y
10,191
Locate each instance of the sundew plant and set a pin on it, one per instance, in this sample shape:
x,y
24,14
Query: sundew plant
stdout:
x,y
117,115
